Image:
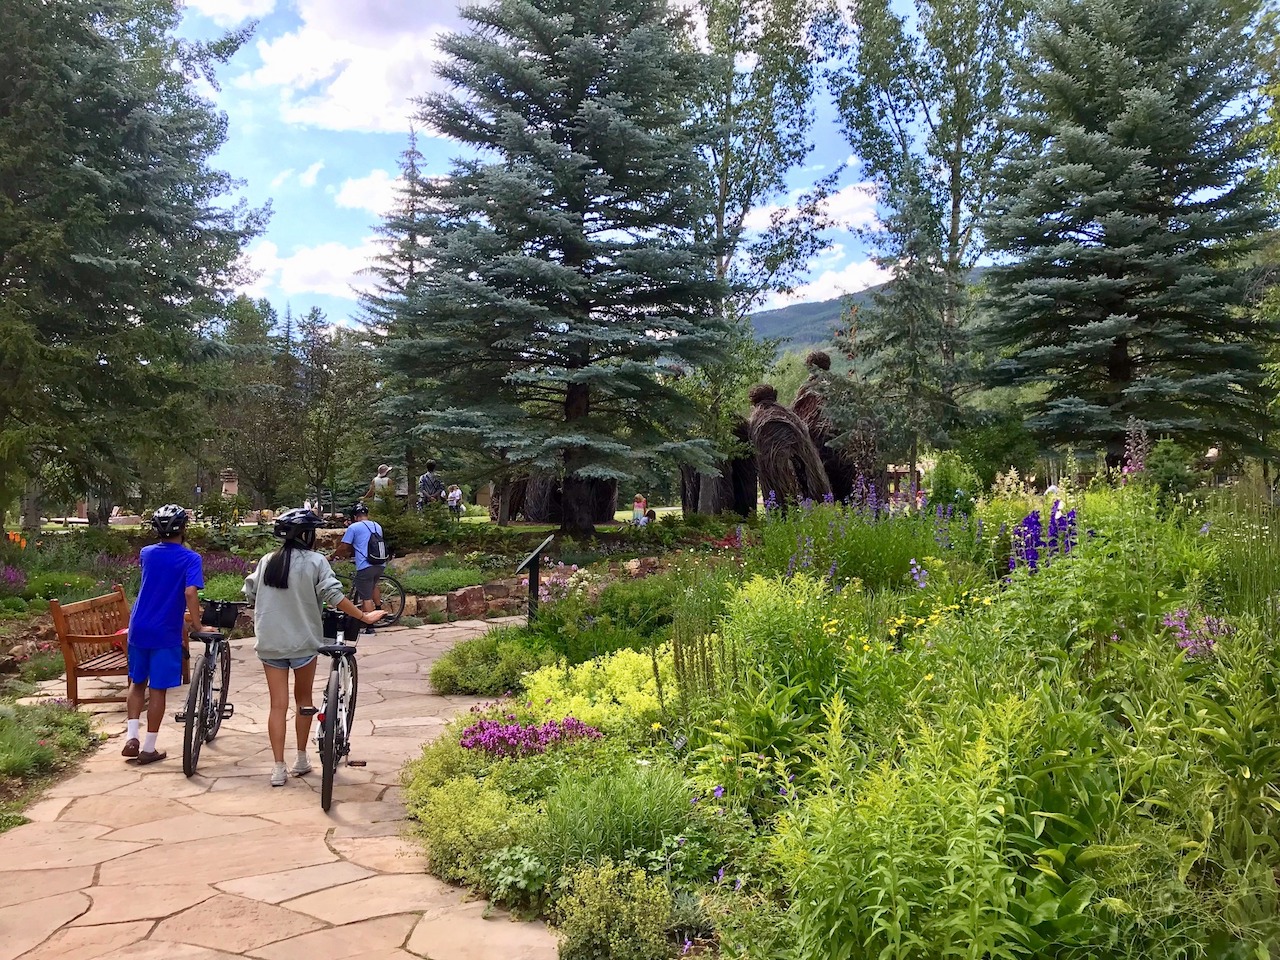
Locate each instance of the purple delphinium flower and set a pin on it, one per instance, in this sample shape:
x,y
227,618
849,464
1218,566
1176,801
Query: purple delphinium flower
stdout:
x,y
718,792
1205,529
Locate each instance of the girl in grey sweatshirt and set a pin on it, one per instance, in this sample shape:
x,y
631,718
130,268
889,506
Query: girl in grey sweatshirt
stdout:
x,y
288,589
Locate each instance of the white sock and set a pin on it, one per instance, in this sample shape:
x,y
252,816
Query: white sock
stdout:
x,y
149,742
302,756
278,767
133,726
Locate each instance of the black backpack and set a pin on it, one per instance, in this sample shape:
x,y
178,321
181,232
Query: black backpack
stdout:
x,y
375,551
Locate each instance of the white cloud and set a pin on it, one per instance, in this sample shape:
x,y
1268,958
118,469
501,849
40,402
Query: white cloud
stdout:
x,y
331,269
228,13
308,176
354,66
280,178
830,284
852,208
375,193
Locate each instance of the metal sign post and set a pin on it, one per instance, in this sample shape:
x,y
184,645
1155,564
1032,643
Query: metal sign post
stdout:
x,y
533,563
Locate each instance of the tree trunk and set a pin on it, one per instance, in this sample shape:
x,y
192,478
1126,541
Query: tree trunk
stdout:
x,y
102,516
709,500
578,517
31,498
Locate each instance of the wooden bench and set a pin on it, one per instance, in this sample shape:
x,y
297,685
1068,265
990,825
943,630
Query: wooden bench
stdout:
x,y
94,639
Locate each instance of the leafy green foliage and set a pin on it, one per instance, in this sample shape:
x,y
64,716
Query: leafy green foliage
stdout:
x,y
613,912
462,823
489,665
103,308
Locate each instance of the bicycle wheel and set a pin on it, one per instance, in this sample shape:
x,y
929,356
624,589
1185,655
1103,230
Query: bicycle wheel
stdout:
x,y
392,595
328,739
193,731
352,678
221,686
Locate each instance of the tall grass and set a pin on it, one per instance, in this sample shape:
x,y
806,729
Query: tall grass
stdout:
x,y
631,811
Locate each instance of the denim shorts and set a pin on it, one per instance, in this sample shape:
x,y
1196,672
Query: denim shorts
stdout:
x,y
288,663
160,668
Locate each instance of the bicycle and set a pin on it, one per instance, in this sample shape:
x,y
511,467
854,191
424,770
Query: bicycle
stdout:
x,y
207,704
390,592
337,711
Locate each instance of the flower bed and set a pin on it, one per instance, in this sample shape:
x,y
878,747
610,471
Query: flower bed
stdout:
x,y
1035,730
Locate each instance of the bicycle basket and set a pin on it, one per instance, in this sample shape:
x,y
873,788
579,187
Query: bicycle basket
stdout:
x,y
220,613
335,620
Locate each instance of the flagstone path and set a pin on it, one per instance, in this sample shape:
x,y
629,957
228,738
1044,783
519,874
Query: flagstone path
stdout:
x,y
122,861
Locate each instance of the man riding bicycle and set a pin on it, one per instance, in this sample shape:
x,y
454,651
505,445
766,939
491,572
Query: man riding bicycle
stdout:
x,y
362,537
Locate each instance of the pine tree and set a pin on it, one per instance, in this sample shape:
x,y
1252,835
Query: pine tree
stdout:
x,y
389,315
117,245
909,344
1124,218
564,278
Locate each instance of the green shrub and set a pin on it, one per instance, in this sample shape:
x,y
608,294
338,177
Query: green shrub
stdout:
x,y
953,481
36,740
645,605
463,823
614,913
489,665
627,813
224,586
64,586
440,580
13,604
620,694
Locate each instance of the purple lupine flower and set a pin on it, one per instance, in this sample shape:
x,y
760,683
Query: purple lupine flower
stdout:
x,y
718,792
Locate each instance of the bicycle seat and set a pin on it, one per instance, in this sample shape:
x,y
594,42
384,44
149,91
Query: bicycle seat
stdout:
x,y
338,650
207,637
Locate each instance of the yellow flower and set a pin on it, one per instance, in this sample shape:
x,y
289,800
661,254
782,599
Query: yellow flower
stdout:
x,y
866,647
656,726
928,676
986,601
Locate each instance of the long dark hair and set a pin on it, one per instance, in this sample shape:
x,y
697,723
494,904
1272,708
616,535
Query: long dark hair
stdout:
x,y
277,572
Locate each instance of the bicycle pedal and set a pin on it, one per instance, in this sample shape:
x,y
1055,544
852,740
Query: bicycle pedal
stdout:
x,y
309,711
228,711
180,717
356,763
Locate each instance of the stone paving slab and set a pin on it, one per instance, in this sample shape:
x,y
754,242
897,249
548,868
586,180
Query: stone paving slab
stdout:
x,y
141,863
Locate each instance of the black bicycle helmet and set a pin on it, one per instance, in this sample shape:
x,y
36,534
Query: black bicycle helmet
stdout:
x,y
357,509
298,524
169,520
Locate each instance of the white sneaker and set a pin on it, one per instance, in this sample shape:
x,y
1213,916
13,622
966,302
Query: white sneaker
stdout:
x,y
301,766
279,776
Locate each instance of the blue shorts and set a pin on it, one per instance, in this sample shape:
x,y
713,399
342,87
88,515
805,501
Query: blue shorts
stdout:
x,y
160,668
288,663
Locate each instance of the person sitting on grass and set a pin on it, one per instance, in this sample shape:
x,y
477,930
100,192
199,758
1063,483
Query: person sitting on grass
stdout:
x,y
288,589
172,577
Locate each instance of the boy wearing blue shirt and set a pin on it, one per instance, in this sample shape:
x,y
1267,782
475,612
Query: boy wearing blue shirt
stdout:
x,y
355,543
171,578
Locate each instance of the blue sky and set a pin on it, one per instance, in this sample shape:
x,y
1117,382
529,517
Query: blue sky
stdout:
x,y
319,108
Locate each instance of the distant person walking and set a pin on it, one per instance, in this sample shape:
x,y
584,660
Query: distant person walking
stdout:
x,y
430,487
288,589
380,486
455,501
172,577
